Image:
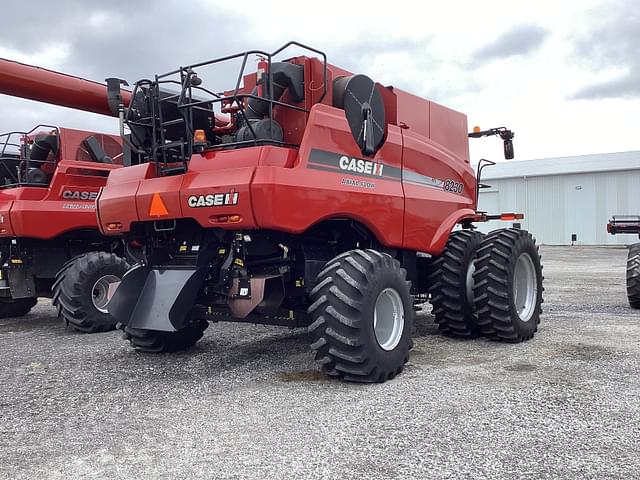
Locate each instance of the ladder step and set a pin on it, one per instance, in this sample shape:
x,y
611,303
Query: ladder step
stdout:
x,y
177,143
172,122
170,170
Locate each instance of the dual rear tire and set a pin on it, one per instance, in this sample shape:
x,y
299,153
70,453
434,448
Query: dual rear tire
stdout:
x,y
508,285
488,285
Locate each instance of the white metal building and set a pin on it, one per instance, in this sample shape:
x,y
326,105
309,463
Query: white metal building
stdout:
x,y
565,196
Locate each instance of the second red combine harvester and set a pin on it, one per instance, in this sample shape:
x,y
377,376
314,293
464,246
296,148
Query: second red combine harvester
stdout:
x,y
307,196
49,179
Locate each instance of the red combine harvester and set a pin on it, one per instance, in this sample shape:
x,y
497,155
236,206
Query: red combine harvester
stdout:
x,y
49,179
306,196
629,224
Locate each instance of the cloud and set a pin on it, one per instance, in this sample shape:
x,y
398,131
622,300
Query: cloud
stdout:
x,y
626,86
131,40
519,40
569,52
610,42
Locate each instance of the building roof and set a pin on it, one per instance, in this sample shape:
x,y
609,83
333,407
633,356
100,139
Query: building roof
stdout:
x,y
600,162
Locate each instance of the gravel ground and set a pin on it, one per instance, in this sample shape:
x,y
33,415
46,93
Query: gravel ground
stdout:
x,y
248,401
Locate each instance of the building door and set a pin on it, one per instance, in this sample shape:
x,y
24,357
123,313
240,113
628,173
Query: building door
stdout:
x,y
580,208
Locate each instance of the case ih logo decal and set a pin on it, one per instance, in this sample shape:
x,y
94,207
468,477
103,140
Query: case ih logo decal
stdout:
x,y
78,195
335,162
358,165
213,200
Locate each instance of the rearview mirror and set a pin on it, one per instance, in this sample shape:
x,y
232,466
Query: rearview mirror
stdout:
x,y
508,149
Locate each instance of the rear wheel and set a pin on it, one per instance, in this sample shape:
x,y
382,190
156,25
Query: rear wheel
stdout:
x,y
16,307
362,316
81,290
508,285
154,341
633,276
451,281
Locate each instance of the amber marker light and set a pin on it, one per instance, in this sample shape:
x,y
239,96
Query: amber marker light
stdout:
x,y
511,216
114,226
225,218
199,136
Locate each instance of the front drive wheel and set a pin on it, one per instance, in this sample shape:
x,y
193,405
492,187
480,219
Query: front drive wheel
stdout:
x,y
81,287
16,307
508,285
633,276
362,314
153,341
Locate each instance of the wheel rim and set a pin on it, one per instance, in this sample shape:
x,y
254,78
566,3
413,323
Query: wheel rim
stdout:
x,y
469,283
100,292
388,319
525,287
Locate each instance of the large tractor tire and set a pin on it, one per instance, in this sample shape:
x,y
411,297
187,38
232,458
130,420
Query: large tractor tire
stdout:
x,y
16,307
362,314
153,341
508,285
633,276
451,285
81,288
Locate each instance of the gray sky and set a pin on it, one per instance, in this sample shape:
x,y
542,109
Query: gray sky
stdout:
x,y
565,76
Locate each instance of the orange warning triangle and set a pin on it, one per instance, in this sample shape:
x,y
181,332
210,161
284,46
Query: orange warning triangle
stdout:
x,y
157,208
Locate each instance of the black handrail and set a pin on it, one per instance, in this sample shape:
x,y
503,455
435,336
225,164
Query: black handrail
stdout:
x,y
179,150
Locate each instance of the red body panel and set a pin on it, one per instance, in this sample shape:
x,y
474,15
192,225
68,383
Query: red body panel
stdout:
x,y
428,208
303,196
47,212
121,195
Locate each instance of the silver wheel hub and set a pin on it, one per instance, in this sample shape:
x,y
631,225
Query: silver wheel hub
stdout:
x,y
100,292
525,287
388,319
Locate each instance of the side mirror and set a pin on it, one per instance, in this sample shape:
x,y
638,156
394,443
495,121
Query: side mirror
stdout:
x,y
505,134
508,149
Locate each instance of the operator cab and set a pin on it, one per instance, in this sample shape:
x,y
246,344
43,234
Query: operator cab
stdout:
x,y
29,158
